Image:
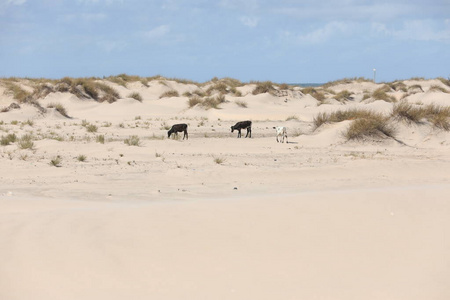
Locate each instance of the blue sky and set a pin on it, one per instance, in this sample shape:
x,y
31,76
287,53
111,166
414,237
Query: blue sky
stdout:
x,y
279,40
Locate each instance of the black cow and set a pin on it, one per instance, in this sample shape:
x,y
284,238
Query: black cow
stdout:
x,y
178,128
243,125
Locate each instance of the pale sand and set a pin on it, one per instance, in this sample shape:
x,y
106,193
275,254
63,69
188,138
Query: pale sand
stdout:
x,y
318,218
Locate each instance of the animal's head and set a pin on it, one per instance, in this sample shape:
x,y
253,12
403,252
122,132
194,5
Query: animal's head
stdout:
x,y
232,128
169,133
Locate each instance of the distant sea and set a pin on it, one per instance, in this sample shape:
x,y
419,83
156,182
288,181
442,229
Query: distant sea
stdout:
x,y
307,84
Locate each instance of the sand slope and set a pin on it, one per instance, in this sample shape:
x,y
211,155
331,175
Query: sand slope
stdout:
x,y
216,217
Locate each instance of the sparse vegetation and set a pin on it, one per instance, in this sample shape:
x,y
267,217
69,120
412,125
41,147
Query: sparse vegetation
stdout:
x,y
381,94
219,160
292,118
91,128
318,95
168,94
17,92
194,100
264,87
343,95
26,142
8,139
59,108
376,125
437,115
133,141
81,157
56,161
100,139
241,103
136,96
341,115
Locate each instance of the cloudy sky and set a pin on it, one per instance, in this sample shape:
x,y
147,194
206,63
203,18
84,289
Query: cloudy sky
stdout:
x,y
279,40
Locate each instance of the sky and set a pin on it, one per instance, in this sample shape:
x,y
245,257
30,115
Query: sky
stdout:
x,y
284,41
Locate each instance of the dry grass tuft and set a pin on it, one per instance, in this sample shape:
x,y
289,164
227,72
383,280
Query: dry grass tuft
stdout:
x,y
437,115
343,95
17,92
133,141
320,96
264,87
241,103
193,101
59,108
377,126
381,94
135,96
168,94
341,115
8,139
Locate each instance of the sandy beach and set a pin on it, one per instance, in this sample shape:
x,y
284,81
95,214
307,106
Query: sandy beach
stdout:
x,y
86,213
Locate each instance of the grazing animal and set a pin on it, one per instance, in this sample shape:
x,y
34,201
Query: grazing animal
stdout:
x,y
178,128
243,125
282,132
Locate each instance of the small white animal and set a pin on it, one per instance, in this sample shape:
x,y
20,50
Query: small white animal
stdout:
x,y
282,132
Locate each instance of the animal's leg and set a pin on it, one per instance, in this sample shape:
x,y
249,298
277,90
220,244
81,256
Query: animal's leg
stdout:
x,y
239,133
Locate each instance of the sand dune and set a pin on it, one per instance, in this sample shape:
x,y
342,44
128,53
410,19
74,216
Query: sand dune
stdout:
x,y
84,215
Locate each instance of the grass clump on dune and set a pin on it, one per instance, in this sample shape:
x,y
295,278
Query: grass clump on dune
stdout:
x,y
343,95
59,108
341,115
375,126
26,142
381,94
17,92
320,96
264,87
437,115
8,139
135,96
168,94
133,141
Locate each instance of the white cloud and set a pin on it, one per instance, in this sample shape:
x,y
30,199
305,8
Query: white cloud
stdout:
x,y
250,5
157,32
86,17
110,46
108,2
16,2
419,30
320,35
249,21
